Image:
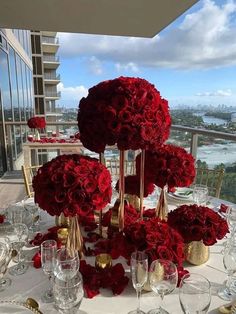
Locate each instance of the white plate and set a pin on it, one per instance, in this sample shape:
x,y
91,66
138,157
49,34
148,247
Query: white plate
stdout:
x,y
183,193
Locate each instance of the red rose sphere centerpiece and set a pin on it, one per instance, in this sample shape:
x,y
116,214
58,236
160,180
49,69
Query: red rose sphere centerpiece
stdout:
x,y
128,112
75,185
37,123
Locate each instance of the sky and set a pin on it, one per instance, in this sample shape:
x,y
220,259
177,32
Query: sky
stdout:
x,y
192,61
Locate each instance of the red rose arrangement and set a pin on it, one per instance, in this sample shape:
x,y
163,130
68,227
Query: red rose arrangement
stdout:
x,y
196,223
157,239
73,185
46,140
168,165
36,123
127,111
132,186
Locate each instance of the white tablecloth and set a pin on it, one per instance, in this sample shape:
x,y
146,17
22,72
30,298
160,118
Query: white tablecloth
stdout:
x,y
33,283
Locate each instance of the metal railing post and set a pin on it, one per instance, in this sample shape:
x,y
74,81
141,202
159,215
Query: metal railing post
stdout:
x,y
194,144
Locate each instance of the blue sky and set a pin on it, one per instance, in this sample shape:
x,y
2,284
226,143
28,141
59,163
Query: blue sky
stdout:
x,y
191,62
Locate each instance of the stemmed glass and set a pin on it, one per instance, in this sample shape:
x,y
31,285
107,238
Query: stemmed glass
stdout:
x,y
139,272
33,209
229,261
21,232
5,282
194,294
163,278
48,256
66,265
200,194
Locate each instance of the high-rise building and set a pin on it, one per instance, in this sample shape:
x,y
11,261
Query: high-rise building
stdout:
x,y
45,63
16,95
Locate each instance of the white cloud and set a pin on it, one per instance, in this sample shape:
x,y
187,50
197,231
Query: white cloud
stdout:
x,y
95,65
72,95
218,93
204,39
130,66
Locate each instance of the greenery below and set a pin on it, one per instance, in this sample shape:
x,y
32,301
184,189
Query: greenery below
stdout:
x,y
219,115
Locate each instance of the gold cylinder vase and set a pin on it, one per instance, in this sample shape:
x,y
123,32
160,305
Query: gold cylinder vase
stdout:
x,y
133,200
162,206
75,239
62,221
196,252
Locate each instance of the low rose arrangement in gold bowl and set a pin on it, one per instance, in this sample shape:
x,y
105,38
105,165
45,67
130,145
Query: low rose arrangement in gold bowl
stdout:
x,y
76,186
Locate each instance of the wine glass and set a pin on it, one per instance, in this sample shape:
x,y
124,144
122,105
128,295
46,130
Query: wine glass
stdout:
x,y
139,272
18,242
15,213
200,194
66,265
48,256
68,295
194,294
5,282
229,261
163,279
33,209
231,217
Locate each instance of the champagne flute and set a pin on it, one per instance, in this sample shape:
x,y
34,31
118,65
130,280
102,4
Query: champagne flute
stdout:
x,y
194,294
66,266
48,256
5,282
139,272
229,261
163,279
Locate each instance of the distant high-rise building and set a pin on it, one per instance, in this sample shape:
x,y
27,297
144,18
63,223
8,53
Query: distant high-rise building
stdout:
x,y
45,63
16,95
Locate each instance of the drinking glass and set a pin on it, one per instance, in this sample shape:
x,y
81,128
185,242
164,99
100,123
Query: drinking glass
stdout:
x,y
68,295
200,194
15,213
33,209
66,265
48,256
194,294
4,261
231,217
229,261
163,279
21,238
139,272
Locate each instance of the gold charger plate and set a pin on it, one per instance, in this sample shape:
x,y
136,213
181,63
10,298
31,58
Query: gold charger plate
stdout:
x,y
10,307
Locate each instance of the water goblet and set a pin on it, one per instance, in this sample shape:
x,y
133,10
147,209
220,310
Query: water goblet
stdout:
x,y
194,294
229,261
139,273
5,282
48,256
15,213
33,209
68,294
200,194
18,242
66,265
163,278
231,218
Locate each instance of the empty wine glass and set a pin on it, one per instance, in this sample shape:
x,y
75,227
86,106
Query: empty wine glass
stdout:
x,y
200,194
48,256
15,213
68,295
5,282
231,217
66,266
33,209
163,278
229,261
194,294
139,272
21,233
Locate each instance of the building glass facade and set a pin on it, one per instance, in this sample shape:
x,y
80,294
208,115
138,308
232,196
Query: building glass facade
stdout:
x,y
16,95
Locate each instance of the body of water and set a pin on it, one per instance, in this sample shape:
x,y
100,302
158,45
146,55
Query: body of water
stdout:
x,y
209,119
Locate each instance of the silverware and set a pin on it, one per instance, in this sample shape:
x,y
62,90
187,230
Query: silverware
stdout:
x,y
228,309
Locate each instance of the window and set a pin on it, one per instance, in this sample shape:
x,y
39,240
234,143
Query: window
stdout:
x,y
5,86
37,65
35,44
38,85
14,90
39,105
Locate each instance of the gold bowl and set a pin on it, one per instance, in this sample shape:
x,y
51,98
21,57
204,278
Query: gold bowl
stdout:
x,y
62,235
103,261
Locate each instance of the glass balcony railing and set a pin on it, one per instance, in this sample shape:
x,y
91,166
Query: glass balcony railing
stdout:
x,y
50,40
55,94
52,58
55,77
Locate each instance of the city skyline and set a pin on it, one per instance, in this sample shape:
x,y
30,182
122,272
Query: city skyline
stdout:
x,y
191,62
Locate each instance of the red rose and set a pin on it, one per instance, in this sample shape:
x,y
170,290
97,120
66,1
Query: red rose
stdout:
x,y
2,218
37,260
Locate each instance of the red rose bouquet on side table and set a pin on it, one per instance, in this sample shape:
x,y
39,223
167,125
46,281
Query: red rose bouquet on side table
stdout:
x,y
36,123
169,166
74,185
198,225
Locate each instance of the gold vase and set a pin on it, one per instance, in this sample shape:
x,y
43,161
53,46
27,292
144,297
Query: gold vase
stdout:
x,y
162,206
37,135
74,240
62,221
133,200
196,252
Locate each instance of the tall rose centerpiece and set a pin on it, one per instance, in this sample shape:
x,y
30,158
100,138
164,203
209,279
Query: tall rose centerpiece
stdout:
x,y
127,112
76,186
167,167
37,123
